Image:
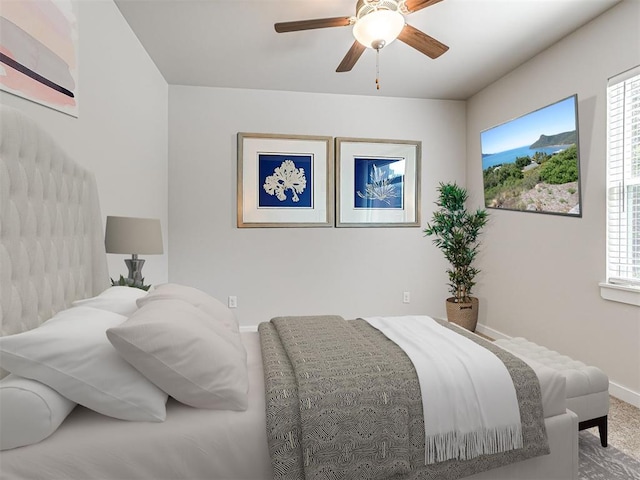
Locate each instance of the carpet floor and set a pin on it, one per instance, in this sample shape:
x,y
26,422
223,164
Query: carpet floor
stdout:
x,y
624,427
621,459
598,463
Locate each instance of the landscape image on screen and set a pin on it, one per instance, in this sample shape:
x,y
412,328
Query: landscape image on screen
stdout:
x,y
532,163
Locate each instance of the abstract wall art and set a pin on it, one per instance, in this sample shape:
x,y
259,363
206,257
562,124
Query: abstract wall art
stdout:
x,y
39,52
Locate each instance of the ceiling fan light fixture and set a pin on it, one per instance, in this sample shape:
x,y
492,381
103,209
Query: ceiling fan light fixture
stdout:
x,y
378,28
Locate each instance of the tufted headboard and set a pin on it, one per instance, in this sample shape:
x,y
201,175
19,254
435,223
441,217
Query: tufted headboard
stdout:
x,y
51,238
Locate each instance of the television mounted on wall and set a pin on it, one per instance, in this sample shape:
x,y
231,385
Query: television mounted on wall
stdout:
x,y
532,163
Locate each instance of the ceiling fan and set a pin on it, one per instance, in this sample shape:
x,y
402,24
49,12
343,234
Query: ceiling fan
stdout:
x,y
375,24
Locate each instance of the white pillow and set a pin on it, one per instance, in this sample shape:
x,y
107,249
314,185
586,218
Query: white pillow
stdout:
x,y
116,299
179,348
213,307
29,411
71,354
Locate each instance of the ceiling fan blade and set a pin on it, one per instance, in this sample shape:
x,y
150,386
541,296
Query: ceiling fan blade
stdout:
x,y
298,25
351,57
415,5
422,42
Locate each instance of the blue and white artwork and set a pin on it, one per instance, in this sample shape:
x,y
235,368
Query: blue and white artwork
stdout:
x,y
285,180
379,183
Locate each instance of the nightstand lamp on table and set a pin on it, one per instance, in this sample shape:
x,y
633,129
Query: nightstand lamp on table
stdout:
x,y
135,236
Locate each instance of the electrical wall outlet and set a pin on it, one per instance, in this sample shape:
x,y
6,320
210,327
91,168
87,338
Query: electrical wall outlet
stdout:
x,y
232,301
406,297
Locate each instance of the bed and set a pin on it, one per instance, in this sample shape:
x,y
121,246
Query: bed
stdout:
x,y
52,255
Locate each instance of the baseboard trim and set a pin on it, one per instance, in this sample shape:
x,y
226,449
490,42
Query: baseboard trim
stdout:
x,y
490,332
616,390
248,328
625,394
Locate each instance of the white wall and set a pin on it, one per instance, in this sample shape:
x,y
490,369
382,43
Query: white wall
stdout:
x,y
121,131
290,271
541,272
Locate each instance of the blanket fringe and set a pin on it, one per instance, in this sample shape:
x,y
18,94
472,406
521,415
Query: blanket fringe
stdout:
x,y
465,446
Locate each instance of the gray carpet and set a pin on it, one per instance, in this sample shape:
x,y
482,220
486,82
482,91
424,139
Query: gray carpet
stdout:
x,y
598,463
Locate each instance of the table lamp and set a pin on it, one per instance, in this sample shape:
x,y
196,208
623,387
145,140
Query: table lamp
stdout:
x,y
135,236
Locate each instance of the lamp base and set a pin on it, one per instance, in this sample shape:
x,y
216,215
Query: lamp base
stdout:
x,y
134,264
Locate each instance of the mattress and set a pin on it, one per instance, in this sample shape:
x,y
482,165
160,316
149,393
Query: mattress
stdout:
x,y
191,443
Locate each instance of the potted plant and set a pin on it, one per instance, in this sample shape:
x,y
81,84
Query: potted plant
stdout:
x,y
456,232
130,282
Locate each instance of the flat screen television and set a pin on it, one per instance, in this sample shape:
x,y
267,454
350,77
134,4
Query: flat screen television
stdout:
x,y
532,163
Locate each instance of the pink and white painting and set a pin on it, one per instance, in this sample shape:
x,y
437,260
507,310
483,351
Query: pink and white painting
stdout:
x,y
39,52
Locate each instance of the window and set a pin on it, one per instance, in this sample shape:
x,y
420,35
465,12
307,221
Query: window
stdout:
x,y
623,179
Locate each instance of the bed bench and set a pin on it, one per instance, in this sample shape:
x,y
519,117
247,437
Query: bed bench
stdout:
x,y
587,386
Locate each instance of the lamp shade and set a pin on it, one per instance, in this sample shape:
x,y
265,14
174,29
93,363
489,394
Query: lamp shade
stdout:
x,y
130,235
377,26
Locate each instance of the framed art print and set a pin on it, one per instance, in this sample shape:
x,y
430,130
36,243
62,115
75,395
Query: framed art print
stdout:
x,y
285,180
377,183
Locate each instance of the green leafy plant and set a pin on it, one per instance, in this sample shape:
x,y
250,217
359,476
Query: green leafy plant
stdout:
x,y
126,282
456,232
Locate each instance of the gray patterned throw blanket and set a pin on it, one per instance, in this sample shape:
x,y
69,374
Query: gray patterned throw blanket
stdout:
x,y
343,402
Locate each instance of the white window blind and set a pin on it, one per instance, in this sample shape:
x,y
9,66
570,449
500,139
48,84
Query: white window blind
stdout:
x,y
623,178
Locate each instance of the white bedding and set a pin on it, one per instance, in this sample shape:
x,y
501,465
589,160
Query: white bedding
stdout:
x,y
190,444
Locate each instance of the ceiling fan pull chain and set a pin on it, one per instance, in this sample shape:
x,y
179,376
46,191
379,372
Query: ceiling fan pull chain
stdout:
x,y
377,69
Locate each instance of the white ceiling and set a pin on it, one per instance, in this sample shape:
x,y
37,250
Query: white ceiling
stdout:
x,y
232,43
